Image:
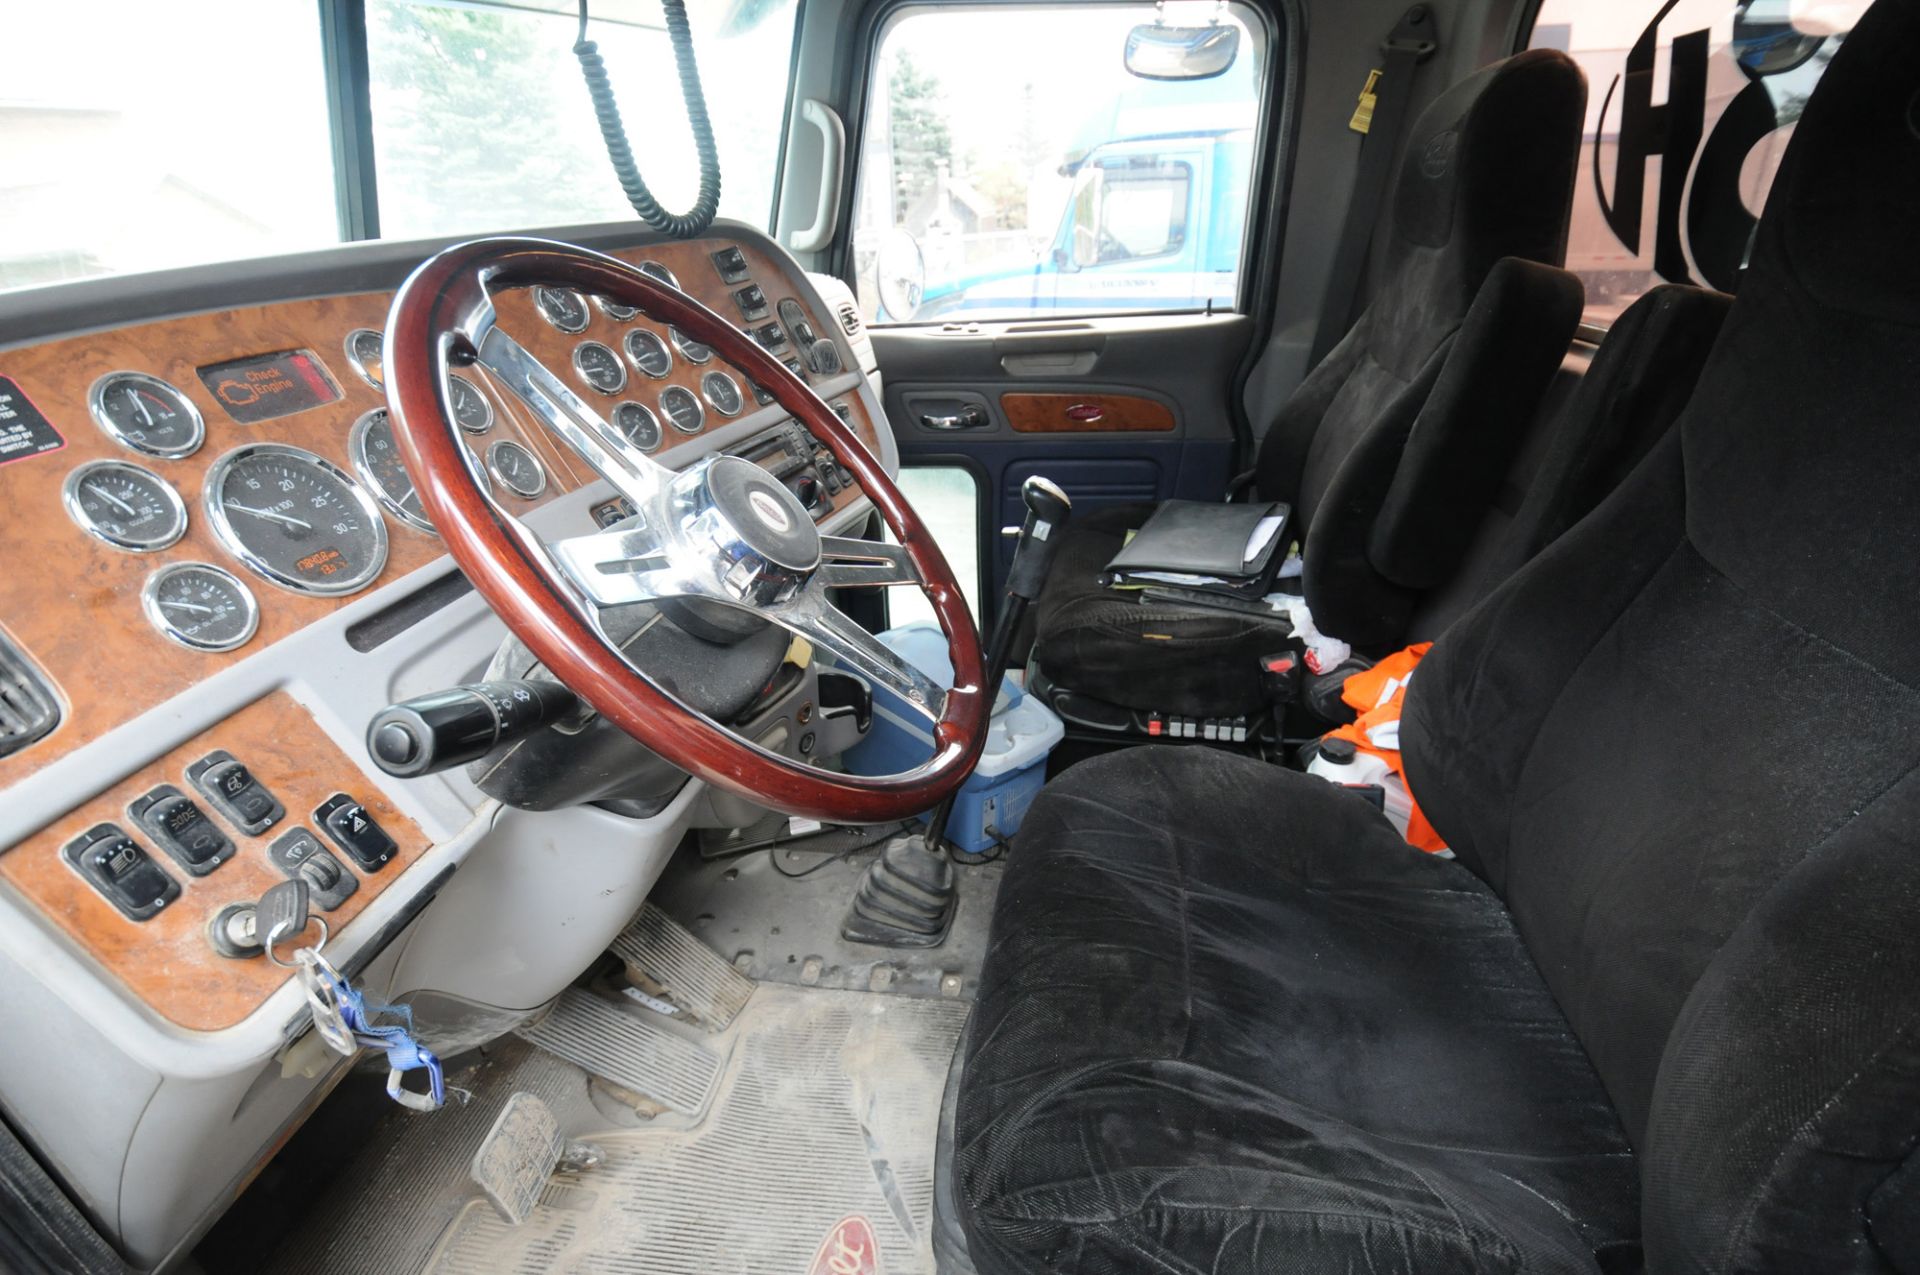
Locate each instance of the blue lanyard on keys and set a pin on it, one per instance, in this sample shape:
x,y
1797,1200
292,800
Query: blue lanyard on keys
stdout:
x,y
341,1016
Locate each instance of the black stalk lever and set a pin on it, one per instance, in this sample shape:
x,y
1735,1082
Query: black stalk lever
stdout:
x,y
449,728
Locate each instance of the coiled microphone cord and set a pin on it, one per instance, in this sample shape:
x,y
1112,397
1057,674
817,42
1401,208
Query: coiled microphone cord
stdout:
x,y
696,219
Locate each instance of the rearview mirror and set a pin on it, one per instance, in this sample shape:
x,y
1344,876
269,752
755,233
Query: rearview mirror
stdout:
x,y
1159,52
901,274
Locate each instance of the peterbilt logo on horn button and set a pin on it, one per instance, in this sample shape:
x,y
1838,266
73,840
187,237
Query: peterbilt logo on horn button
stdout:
x,y
769,510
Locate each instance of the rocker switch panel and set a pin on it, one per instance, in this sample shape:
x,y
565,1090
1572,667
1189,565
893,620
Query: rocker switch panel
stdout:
x,y
351,826
125,874
235,793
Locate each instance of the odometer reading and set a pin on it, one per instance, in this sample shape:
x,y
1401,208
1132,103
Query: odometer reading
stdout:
x,y
200,606
296,520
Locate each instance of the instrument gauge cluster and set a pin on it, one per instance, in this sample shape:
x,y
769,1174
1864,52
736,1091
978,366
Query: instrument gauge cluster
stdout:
x,y
295,519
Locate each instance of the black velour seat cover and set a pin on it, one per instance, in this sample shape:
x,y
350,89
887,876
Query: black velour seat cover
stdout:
x,y
1664,1012
1642,376
1468,323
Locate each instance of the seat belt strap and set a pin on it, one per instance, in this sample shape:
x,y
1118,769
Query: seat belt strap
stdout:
x,y
1381,117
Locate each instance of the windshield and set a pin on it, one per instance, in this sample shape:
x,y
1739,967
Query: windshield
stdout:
x,y
134,137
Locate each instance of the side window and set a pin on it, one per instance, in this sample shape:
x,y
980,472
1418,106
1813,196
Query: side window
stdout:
x,y
1075,187
1689,108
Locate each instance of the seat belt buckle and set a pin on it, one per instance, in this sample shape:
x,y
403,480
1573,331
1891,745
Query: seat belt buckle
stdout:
x,y
1362,121
1280,677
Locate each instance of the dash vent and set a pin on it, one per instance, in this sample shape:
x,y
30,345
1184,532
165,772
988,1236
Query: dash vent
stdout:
x,y
28,709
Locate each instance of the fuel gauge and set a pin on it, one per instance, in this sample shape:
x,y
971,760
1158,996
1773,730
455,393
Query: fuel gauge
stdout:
x,y
146,414
200,606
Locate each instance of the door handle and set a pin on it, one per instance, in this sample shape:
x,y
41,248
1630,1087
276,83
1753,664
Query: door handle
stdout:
x,y
968,417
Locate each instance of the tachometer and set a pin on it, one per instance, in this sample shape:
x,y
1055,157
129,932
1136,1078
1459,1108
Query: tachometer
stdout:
x,y
376,458
295,520
147,414
200,606
125,506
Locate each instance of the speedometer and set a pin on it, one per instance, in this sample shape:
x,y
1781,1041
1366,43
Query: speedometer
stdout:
x,y
295,520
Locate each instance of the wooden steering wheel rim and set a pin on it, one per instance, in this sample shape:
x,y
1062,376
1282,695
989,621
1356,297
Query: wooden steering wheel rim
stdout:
x,y
427,334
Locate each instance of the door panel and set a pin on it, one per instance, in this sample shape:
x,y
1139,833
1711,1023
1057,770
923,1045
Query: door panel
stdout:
x,y
1129,410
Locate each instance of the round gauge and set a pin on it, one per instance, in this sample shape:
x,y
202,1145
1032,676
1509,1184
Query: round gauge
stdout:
x,y
690,349
376,458
125,506
296,520
366,351
200,606
615,311
146,414
641,426
649,353
563,308
723,392
518,469
682,409
654,270
599,367
471,410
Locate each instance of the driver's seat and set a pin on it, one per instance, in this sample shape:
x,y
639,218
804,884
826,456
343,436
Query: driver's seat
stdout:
x,y
1664,1012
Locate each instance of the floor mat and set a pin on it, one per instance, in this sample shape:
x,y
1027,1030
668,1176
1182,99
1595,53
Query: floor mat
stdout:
x,y
819,1141
829,1113
670,963
631,1047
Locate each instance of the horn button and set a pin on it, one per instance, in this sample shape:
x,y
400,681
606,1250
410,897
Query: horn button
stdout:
x,y
764,537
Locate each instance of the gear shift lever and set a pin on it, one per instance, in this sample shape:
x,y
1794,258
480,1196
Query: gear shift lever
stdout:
x,y
907,897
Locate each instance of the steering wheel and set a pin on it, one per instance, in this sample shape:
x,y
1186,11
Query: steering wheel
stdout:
x,y
724,531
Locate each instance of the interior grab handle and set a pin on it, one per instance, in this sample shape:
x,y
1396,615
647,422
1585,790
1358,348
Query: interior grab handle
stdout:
x,y
833,145
968,417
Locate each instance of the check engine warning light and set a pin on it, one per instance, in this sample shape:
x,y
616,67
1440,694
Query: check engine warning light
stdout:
x,y
324,563
264,386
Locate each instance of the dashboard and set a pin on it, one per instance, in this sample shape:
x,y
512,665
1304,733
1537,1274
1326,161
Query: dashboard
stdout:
x,y
217,567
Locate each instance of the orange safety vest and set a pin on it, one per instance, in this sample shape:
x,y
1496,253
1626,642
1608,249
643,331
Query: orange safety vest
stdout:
x,y
1377,695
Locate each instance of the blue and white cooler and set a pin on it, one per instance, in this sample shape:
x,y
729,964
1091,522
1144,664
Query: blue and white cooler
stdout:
x,y
991,804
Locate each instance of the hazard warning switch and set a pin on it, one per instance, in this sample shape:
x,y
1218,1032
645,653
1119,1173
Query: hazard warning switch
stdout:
x,y
353,829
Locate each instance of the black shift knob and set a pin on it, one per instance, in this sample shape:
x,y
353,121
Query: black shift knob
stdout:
x,y
1047,509
1045,502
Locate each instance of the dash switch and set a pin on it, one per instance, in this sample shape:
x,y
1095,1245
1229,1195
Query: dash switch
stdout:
x,y
125,874
182,829
235,793
351,826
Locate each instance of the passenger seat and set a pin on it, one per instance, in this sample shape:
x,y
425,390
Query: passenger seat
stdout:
x,y
1396,443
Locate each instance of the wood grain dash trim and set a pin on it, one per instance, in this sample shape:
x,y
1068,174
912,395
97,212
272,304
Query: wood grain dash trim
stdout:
x,y
1085,413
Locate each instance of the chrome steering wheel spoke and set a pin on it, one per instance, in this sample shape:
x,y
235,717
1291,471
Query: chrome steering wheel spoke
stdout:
x,y
856,651
865,564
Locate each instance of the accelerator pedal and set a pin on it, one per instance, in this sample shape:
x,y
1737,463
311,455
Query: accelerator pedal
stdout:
x,y
521,1152
666,961
630,1049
